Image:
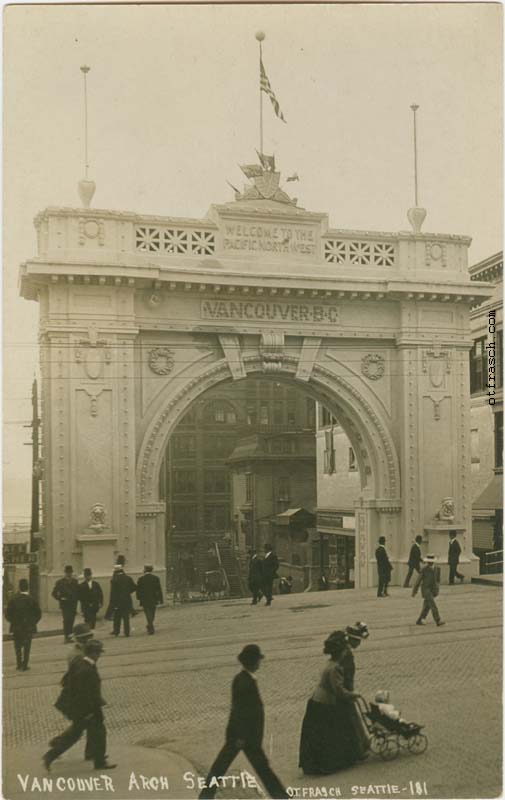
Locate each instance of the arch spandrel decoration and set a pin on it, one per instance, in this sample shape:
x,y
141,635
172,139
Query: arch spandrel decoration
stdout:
x,y
365,425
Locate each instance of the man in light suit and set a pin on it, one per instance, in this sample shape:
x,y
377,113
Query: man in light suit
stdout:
x,y
428,581
269,567
245,729
453,558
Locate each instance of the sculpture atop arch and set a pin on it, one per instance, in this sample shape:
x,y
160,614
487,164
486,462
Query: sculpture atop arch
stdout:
x,y
141,314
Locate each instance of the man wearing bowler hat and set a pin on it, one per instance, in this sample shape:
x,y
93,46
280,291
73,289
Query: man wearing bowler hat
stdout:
x,y
149,595
428,581
245,729
453,558
66,592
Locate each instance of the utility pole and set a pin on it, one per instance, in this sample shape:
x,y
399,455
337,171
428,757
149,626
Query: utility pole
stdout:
x,y
35,517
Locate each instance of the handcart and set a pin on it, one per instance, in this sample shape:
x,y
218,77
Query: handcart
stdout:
x,y
388,736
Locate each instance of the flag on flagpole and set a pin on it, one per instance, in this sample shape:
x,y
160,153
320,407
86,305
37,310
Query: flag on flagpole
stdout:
x,y
265,87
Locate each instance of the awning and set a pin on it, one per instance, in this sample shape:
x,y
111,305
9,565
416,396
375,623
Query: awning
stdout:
x,y
492,496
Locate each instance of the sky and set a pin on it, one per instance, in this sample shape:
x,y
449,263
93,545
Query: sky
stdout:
x,y
173,107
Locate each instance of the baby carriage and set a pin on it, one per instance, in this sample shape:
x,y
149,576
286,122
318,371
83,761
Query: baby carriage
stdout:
x,y
388,736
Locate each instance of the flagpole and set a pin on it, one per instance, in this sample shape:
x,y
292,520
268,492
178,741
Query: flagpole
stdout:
x,y
85,70
260,37
414,109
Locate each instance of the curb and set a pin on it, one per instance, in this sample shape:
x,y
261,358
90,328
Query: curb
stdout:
x,y
485,582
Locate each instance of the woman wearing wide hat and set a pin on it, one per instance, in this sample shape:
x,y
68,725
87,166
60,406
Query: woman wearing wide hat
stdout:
x,y
328,740
356,634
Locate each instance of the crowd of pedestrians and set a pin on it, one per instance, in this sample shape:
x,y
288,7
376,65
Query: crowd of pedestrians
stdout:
x,y
333,734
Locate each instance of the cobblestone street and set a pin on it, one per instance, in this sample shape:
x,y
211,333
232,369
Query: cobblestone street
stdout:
x,y
171,692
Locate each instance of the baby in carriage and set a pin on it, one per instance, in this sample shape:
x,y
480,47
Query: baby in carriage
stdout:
x,y
386,708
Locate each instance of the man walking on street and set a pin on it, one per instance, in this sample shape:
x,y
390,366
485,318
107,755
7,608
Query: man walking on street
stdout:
x,y
255,576
269,569
66,591
23,612
453,558
149,595
414,561
84,709
121,589
91,598
384,568
245,730
428,581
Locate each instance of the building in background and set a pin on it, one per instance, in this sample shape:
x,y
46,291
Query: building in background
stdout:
x,y
243,453
486,424
338,487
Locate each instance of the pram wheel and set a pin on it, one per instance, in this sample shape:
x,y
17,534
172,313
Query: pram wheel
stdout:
x,y
390,749
377,743
417,744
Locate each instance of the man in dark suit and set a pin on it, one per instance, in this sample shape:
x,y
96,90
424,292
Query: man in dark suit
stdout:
x,y
149,595
428,581
121,589
91,598
414,561
23,612
384,568
84,709
66,591
453,558
255,576
245,729
269,568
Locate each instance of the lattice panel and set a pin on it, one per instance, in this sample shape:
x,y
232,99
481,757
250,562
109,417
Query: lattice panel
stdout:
x,y
364,254
174,241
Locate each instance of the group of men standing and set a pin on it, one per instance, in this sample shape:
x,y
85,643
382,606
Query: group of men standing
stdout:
x,y
262,573
69,593
427,580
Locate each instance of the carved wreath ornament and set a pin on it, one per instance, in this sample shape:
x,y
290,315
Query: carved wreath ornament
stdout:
x,y
161,360
373,366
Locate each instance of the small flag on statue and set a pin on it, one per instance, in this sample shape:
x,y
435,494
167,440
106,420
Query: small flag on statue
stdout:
x,y
265,87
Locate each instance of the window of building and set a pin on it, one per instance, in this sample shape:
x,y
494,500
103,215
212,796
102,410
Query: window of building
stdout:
x,y
184,481
216,518
329,453
283,488
326,418
281,445
478,366
252,416
498,439
184,517
220,412
353,466
291,414
264,415
249,487
184,445
217,481
278,412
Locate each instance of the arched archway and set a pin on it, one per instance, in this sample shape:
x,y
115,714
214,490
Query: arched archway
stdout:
x,y
361,418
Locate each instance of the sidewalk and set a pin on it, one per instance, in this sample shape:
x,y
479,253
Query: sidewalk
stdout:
x,y
140,773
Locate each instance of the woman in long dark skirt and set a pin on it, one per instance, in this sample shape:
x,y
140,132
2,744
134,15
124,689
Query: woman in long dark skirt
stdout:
x,y
355,635
328,740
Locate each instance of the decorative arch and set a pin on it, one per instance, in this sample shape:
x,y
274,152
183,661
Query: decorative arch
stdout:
x,y
361,419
